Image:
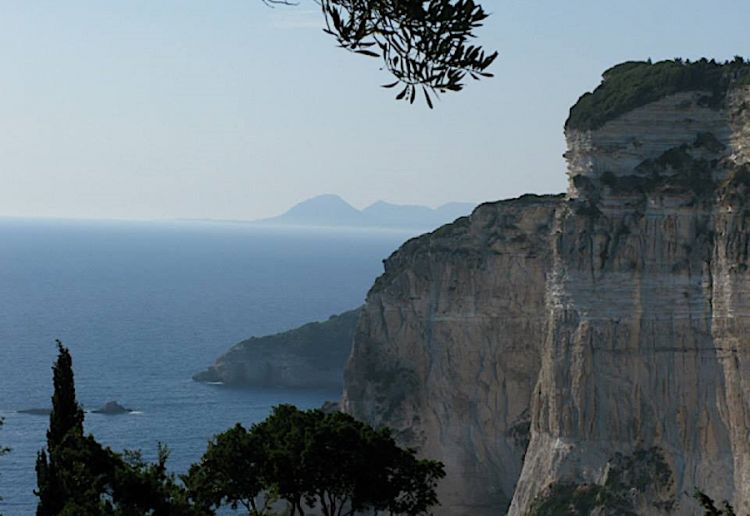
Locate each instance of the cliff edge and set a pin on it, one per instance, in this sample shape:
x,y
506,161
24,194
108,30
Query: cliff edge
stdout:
x,y
584,352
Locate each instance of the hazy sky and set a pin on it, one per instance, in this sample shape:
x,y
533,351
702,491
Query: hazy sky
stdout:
x,y
228,109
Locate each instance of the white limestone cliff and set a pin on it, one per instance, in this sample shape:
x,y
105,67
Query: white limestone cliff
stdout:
x,y
448,347
607,329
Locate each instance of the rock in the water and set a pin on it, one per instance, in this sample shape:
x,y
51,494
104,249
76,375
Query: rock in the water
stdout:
x,y
36,411
112,408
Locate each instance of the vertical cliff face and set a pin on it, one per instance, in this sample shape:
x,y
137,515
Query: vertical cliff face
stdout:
x,y
607,329
645,308
448,347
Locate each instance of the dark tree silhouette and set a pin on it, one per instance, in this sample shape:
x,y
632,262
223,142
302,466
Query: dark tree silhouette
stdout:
x,y
66,419
331,462
328,461
709,506
425,44
67,414
231,473
78,476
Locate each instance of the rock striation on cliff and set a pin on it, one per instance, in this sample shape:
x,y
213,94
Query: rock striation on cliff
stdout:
x,y
311,356
448,346
585,352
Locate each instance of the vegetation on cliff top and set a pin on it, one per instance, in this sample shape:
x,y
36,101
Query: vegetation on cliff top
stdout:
x,y
636,83
324,345
325,340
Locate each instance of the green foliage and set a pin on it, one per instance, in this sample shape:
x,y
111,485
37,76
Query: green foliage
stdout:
x,y
675,170
323,345
709,507
61,469
67,414
140,487
307,458
72,476
520,431
231,473
587,209
641,472
737,186
709,142
313,459
425,45
635,83
568,498
78,476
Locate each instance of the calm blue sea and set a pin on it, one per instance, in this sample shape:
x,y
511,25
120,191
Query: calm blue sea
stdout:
x,y
143,306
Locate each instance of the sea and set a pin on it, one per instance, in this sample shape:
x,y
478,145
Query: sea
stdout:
x,y
143,306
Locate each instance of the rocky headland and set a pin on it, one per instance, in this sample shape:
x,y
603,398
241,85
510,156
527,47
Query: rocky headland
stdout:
x,y
311,356
587,352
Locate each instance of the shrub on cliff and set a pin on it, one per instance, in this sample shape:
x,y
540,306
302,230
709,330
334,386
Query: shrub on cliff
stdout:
x,y
709,506
636,83
312,459
630,480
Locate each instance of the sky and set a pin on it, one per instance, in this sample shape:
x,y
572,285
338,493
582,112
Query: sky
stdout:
x,y
228,109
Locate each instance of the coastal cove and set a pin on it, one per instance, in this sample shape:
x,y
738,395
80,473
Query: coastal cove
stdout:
x,y
143,306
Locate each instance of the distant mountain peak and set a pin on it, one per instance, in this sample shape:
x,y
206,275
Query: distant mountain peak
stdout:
x,y
327,197
331,210
326,209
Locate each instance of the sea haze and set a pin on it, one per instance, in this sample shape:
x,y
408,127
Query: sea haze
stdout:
x,y
142,307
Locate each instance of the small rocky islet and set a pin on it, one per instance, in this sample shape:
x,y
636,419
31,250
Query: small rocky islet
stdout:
x,y
111,408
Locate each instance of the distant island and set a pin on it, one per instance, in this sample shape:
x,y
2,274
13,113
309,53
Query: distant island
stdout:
x,y
332,211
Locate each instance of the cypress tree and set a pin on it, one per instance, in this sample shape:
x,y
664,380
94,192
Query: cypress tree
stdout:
x,y
78,476
67,414
66,419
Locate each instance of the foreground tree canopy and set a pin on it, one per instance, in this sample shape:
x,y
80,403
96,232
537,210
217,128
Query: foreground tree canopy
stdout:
x,y
310,459
425,45
78,476
294,461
